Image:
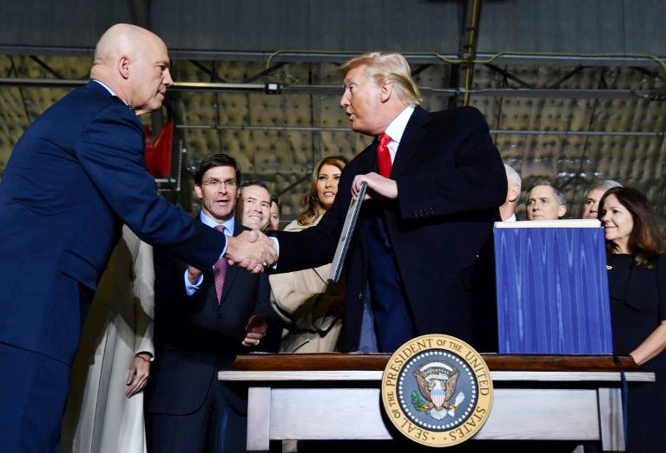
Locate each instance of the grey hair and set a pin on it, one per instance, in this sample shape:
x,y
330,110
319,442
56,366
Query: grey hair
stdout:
x,y
513,176
603,184
559,195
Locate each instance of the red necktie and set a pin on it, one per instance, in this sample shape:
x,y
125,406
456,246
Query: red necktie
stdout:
x,y
220,271
384,155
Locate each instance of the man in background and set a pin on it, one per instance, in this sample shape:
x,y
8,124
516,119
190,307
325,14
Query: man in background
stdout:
x,y
202,321
276,214
594,194
508,209
254,205
545,201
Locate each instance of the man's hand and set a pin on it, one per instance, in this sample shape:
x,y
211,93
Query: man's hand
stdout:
x,y
138,374
252,250
384,187
255,330
193,274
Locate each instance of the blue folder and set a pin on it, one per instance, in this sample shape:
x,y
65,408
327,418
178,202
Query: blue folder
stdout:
x,y
552,288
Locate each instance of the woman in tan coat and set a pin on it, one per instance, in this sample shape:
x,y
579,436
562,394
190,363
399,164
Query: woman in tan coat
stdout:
x,y
311,308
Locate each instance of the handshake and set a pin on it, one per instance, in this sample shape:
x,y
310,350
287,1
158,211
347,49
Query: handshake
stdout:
x,y
252,250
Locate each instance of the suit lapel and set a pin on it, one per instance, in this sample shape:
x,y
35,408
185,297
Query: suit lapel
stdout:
x,y
369,162
414,133
232,271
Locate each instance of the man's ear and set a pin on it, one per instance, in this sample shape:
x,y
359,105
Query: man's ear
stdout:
x,y
123,67
385,92
561,210
514,193
198,192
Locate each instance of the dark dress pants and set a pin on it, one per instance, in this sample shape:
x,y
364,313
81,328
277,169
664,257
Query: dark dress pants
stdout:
x,y
33,392
215,427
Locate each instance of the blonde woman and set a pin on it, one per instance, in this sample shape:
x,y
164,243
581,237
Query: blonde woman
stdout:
x,y
311,309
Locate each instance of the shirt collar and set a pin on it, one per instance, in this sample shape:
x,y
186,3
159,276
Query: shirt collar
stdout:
x,y
229,225
111,92
399,124
108,88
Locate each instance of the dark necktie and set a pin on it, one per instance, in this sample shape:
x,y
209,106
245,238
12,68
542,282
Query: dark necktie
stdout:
x,y
384,155
220,271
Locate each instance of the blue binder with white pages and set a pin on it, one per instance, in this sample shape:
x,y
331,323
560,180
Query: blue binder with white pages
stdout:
x,y
552,288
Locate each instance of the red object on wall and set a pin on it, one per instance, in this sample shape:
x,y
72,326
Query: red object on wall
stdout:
x,y
158,150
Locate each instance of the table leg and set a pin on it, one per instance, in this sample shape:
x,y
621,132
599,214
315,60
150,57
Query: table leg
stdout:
x,y
258,418
611,419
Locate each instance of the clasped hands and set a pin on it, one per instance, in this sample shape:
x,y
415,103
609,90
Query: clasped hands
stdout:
x,y
252,250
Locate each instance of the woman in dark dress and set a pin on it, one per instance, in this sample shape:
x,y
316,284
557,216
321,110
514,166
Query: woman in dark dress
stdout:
x,y
637,284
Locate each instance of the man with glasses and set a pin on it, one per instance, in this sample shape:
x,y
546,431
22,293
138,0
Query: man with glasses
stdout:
x,y
202,320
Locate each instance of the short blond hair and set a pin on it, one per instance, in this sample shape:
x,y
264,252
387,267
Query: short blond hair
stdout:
x,y
383,67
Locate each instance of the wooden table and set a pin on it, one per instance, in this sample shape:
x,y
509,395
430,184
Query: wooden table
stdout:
x,y
337,396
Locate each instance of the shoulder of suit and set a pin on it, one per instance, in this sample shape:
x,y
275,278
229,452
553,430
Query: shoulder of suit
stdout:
x,y
458,112
102,102
459,118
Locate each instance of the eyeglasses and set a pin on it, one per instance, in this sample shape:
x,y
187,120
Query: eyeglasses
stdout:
x,y
215,184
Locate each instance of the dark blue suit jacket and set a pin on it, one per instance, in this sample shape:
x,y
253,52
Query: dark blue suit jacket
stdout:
x,y
451,182
77,174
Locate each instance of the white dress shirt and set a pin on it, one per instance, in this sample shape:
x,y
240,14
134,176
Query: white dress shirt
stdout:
x,y
396,129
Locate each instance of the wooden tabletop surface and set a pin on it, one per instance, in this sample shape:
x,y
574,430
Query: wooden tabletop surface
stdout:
x,y
377,362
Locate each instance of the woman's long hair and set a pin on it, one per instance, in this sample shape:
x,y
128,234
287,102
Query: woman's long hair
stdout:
x,y
645,240
313,207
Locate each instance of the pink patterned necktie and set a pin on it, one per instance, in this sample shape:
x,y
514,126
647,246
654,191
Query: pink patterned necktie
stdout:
x,y
220,271
384,155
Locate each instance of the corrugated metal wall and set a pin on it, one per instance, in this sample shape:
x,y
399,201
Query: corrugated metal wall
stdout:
x,y
604,127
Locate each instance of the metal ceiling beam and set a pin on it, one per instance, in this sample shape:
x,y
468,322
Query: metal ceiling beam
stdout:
x,y
336,89
492,131
23,102
468,43
337,57
509,76
348,130
563,93
46,67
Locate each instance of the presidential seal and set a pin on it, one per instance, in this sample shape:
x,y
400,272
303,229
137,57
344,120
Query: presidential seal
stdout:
x,y
437,390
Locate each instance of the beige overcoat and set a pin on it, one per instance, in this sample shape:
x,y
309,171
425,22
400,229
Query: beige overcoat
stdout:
x,y
99,417
311,309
